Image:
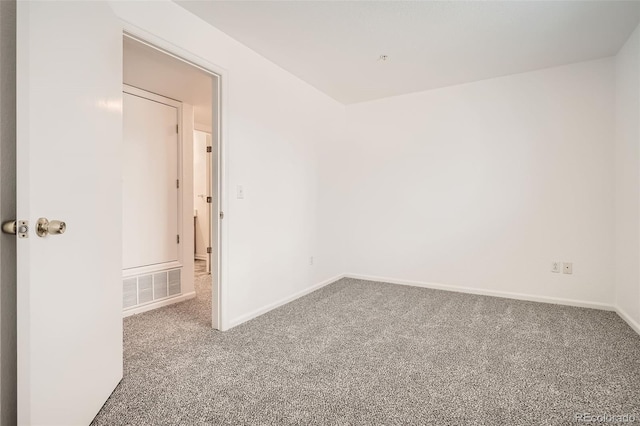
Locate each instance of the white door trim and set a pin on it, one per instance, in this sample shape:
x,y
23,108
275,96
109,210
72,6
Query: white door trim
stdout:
x,y
220,318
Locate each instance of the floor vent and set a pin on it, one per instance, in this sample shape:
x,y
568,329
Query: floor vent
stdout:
x,y
148,288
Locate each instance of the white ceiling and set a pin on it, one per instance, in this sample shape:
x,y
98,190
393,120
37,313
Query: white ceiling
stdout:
x,y
146,68
335,45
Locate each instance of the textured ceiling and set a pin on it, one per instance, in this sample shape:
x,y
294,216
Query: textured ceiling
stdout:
x,y
335,45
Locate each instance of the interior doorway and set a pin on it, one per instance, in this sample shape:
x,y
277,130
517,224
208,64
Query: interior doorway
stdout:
x,y
171,216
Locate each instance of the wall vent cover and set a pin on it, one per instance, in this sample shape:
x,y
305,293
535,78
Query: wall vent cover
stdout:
x,y
146,288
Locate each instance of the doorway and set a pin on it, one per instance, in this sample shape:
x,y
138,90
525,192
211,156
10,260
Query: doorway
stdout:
x,y
177,238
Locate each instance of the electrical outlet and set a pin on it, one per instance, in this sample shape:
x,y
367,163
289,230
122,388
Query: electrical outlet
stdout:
x,y
311,261
567,268
556,267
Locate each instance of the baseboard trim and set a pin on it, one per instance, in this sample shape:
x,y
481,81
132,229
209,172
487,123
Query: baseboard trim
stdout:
x,y
483,292
253,314
158,304
627,318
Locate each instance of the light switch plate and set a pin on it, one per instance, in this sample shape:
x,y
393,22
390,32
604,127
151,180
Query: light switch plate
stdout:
x,y
567,268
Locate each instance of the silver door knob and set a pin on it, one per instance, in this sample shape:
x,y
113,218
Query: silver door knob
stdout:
x,y
16,227
10,227
55,227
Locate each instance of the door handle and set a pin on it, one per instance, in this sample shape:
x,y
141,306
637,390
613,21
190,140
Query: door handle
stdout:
x,y
55,227
16,227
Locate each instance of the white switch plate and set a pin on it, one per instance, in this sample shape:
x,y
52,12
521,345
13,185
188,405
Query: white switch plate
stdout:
x,y
567,268
311,261
239,192
556,267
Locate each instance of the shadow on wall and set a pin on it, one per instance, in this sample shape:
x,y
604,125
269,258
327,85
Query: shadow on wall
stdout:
x,y
7,211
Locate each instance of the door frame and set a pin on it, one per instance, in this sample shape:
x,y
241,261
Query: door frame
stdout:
x,y
219,317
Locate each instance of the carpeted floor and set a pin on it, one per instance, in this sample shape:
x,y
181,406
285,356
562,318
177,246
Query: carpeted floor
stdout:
x,y
368,353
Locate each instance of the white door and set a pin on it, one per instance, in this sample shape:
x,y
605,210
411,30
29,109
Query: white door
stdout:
x,y
209,188
69,110
202,191
150,175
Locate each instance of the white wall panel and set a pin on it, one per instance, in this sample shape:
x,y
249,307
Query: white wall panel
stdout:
x,y
150,172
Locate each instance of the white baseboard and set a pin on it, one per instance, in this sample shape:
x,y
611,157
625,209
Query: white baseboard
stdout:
x,y
145,270
158,304
251,315
483,292
627,318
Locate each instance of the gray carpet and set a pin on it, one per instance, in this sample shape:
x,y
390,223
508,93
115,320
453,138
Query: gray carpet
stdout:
x,y
368,353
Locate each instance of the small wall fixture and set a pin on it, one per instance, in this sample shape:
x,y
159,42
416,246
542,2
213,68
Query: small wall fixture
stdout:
x,y
383,58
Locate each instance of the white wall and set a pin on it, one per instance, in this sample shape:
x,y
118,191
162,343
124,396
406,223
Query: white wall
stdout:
x,y
627,178
332,199
7,211
186,182
276,125
478,186
483,185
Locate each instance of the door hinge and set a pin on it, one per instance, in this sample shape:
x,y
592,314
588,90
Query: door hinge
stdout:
x,y
177,183
209,250
209,149
221,215
209,200
178,239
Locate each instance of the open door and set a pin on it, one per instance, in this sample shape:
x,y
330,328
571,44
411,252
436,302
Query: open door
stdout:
x,y
209,177
203,197
69,109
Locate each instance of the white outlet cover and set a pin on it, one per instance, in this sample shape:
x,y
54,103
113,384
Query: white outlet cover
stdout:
x,y
556,267
567,268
